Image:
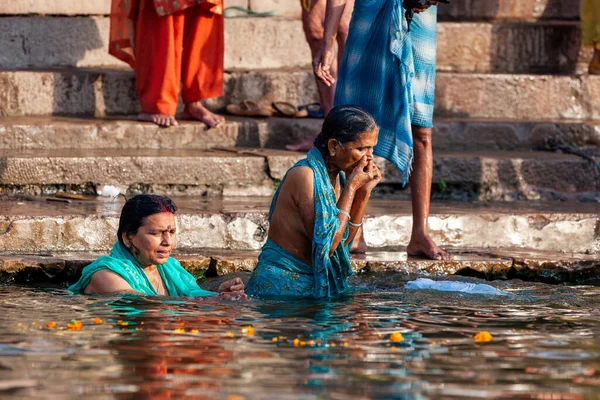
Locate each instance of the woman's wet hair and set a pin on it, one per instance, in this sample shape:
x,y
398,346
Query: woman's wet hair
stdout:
x,y
137,210
345,123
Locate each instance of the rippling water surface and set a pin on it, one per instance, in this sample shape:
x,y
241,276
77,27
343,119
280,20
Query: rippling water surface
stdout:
x,y
545,345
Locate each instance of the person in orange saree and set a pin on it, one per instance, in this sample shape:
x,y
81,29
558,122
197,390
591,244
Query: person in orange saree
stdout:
x,y
171,44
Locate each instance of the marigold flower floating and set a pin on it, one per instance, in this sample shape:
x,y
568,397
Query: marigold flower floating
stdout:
x,y
97,321
274,339
194,331
229,334
122,323
483,336
296,342
248,330
396,337
51,325
180,330
74,325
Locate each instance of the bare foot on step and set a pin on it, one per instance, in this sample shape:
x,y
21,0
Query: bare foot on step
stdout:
x,y
163,120
424,246
197,111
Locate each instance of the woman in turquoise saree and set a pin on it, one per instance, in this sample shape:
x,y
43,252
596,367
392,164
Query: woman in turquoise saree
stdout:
x,y
317,211
140,260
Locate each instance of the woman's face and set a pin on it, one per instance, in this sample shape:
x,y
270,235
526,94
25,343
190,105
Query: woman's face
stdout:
x,y
154,241
346,156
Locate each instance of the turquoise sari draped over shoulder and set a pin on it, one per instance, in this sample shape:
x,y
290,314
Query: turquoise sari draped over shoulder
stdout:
x,y
278,273
177,280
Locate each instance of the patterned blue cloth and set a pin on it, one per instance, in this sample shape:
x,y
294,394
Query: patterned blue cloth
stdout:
x,y
177,280
278,273
390,73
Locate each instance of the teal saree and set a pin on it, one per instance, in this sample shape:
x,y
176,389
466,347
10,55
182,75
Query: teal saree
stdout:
x,y
278,273
177,280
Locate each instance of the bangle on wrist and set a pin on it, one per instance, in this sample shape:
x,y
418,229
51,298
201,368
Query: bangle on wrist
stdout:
x,y
352,224
344,212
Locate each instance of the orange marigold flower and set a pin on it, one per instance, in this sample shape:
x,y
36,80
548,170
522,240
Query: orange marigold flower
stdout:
x,y
180,330
396,337
296,342
483,336
194,331
97,321
248,330
50,324
229,334
74,325
274,339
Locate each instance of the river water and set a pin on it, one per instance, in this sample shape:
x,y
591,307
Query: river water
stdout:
x,y
545,344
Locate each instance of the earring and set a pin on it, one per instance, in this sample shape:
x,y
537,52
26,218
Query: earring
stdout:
x,y
332,154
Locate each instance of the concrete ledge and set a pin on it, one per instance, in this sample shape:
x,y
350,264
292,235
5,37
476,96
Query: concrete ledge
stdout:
x,y
542,47
383,268
20,133
30,227
480,96
464,175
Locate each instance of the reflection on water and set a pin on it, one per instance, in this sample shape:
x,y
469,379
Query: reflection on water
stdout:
x,y
545,346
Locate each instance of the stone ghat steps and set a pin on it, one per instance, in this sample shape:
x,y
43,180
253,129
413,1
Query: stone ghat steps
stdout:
x,y
382,268
91,92
458,10
484,47
491,175
34,226
450,134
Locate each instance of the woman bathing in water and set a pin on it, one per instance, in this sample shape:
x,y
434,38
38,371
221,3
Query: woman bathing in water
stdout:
x,y
318,209
140,259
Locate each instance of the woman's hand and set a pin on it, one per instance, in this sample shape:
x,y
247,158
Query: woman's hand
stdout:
x,y
364,172
377,177
322,63
233,296
232,285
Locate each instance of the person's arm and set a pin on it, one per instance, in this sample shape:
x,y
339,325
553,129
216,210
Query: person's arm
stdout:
x,y
324,59
106,281
361,199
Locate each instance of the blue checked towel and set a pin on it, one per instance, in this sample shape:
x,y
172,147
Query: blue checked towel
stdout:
x,y
390,73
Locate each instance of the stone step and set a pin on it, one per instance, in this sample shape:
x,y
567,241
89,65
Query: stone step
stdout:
x,y
487,96
20,133
37,226
509,10
457,10
379,267
542,47
244,172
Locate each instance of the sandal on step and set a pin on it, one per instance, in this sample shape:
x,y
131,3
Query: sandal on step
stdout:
x,y
249,108
286,109
314,110
240,12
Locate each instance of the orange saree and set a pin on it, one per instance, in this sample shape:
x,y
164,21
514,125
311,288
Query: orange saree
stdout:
x,y
169,43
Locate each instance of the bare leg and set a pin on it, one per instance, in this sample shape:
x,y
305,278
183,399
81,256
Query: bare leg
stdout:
x,y
594,67
421,243
312,23
159,119
196,110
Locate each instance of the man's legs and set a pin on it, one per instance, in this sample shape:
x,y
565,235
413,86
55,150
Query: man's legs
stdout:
x,y
158,63
202,64
312,22
421,243
423,37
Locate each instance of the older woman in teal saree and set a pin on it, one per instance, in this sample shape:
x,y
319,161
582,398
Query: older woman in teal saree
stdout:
x,y
317,211
140,260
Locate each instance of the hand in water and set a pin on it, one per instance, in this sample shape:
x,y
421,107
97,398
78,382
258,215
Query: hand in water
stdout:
x,y
233,295
232,285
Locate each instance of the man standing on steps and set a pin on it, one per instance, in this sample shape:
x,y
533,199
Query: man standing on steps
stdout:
x,y
388,69
313,18
171,43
